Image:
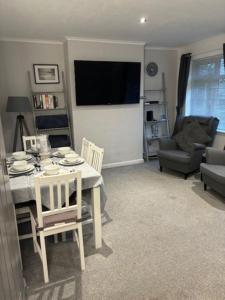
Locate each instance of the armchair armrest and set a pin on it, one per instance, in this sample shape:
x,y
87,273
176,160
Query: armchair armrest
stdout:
x,y
197,146
167,144
215,157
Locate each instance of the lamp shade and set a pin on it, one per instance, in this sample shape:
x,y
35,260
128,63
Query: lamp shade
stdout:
x,y
18,104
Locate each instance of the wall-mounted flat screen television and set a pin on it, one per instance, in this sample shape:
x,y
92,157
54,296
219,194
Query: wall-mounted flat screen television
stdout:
x,y
107,82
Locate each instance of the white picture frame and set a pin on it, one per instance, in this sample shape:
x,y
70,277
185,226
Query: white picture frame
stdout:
x,y
46,73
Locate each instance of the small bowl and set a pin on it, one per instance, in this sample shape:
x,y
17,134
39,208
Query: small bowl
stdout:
x,y
20,165
64,150
51,170
20,155
71,157
46,162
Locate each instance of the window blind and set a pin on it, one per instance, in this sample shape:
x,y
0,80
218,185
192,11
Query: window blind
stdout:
x,y
206,89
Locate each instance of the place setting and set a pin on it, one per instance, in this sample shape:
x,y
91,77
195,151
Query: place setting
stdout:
x,y
21,167
71,159
50,169
32,151
62,151
18,156
68,157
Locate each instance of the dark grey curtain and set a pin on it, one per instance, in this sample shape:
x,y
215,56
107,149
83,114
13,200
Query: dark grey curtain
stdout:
x,y
185,62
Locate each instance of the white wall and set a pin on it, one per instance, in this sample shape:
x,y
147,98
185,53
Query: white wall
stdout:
x,y
206,48
16,59
167,63
118,129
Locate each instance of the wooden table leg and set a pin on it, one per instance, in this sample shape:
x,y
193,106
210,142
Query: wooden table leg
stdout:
x,y
96,215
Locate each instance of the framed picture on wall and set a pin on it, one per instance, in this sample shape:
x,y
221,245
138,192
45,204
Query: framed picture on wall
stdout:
x,y
44,73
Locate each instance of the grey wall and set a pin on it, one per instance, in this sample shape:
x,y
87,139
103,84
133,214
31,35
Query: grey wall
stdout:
x,y
16,59
167,62
118,129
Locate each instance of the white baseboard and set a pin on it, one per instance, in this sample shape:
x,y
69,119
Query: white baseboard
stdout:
x,y
123,163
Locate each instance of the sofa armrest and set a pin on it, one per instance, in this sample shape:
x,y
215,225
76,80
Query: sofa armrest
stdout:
x,y
215,157
167,144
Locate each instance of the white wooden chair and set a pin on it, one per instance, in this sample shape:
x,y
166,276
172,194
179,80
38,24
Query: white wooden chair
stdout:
x,y
86,149
96,157
23,216
23,213
29,141
58,219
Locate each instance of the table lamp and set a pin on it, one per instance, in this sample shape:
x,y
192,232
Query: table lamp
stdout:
x,y
19,105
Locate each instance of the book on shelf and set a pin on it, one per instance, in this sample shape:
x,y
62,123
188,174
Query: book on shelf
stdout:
x,y
45,101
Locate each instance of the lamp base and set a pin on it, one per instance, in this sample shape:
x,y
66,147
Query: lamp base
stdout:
x,y
21,128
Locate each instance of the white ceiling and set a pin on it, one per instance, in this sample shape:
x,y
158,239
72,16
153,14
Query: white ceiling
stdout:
x,y
172,23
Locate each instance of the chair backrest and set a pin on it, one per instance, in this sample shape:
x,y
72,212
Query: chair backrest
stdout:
x,y
86,149
96,157
29,141
209,124
58,189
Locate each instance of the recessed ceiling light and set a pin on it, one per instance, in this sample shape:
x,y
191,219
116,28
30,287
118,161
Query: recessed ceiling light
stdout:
x,y
143,20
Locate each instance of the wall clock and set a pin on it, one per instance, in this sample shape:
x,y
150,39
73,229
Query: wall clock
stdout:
x,y
152,69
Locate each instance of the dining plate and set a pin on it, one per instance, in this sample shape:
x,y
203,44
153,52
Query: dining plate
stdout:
x,y
77,162
27,157
61,171
59,155
56,154
29,168
30,151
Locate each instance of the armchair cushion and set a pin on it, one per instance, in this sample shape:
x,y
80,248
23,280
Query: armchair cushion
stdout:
x,y
175,155
192,133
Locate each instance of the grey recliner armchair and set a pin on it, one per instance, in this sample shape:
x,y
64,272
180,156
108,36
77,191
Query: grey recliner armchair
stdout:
x,y
213,171
172,156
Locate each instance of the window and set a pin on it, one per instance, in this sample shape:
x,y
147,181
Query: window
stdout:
x,y
206,90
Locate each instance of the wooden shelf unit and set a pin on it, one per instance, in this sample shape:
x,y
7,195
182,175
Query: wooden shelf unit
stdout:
x,y
157,128
51,111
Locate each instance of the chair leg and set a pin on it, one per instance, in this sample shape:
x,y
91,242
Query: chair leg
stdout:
x,y
64,236
75,238
205,187
55,238
201,177
34,234
44,257
81,247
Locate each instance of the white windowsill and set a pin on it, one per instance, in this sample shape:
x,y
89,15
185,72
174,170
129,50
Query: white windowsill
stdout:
x,y
220,132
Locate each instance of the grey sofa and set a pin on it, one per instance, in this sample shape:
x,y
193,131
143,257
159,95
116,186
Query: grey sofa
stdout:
x,y
213,171
172,157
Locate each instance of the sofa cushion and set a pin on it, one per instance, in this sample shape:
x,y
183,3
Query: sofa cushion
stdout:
x,y
175,155
192,133
215,171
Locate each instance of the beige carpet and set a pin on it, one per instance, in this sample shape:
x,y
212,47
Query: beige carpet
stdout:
x,y
163,238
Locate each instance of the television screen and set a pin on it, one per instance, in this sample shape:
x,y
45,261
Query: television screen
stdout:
x,y
106,82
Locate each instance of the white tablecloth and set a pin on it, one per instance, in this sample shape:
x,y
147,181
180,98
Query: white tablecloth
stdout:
x,y
22,187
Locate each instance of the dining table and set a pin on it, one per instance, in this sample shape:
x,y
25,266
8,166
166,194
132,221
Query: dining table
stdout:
x,y
23,189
